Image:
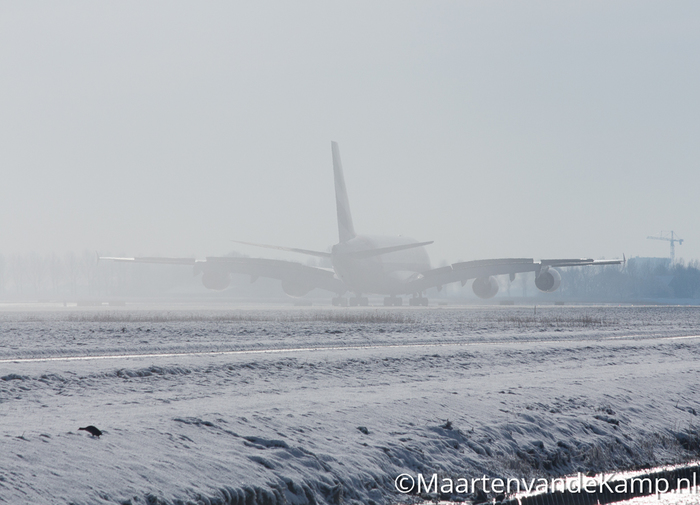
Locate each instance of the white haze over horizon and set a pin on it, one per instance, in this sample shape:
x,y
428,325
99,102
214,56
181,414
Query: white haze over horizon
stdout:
x,y
497,129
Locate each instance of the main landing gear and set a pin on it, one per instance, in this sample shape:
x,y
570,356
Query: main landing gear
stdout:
x,y
339,301
393,301
389,301
397,301
355,301
417,301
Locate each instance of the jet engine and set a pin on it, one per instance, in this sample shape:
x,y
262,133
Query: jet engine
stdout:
x,y
548,280
216,279
294,289
485,287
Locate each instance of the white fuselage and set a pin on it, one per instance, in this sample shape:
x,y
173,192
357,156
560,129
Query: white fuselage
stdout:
x,y
386,274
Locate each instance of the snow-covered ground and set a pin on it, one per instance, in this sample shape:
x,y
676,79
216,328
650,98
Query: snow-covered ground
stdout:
x,y
331,405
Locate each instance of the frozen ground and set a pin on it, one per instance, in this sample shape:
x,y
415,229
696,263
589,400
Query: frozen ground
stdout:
x,y
266,406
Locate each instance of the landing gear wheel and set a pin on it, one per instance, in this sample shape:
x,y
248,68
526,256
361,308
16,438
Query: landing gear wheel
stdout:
x,y
418,300
339,301
395,301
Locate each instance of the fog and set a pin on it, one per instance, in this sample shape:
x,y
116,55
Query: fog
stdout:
x,y
497,129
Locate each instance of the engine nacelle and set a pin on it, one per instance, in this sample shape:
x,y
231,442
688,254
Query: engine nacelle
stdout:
x,y
548,280
485,287
294,289
216,279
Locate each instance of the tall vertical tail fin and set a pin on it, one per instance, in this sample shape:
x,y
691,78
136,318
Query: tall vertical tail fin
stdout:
x,y
346,230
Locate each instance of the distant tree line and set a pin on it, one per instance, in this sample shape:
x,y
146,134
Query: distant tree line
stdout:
x,y
639,279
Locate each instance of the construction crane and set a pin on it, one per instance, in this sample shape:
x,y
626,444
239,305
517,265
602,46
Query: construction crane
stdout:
x,y
673,239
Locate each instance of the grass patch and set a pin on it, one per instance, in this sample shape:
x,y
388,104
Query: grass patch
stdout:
x,y
578,321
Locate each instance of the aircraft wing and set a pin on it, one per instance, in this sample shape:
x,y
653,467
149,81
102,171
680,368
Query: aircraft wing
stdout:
x,y
145,259
466,270
289,272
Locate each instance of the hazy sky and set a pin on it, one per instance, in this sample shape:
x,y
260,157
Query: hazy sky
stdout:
x,y
497,129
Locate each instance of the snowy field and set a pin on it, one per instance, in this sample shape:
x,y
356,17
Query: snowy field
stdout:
x,y
321,405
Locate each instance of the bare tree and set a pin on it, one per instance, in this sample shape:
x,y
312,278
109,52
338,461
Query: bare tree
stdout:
x,y
56,272
36,271
72,269
90,274
3,274
18,272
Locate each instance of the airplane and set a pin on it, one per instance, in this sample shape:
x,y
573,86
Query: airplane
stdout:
x,y
366,264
